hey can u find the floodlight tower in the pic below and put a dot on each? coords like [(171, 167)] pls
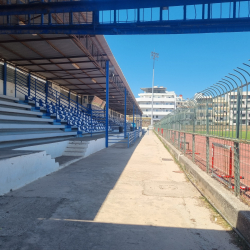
[(154, 56)]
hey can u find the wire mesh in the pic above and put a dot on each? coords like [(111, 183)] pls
[(200, 151), (244, 162)]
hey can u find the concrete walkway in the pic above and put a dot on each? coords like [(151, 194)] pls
[(116, 199)]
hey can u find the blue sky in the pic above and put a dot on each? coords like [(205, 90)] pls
[(187, 63)]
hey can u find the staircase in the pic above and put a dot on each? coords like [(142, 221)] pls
[(23, 124), (76, 148)]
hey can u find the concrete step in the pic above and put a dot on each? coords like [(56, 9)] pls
[(77, 150), (14, 104), (73, 154), (26, 119), (77, 145), (17, 137), (79, 142), (9, 98), (19, 111), (29, 126)]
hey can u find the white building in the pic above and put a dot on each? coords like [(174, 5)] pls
[(164, 102)]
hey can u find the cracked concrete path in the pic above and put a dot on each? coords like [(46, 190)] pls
[(115, 199)]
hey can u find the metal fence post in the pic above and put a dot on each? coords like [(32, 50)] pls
[(184, 142), (179, 134), (236, 147), (179, 139), (193, 148), (207, 154), (193, 137), (207, 138)]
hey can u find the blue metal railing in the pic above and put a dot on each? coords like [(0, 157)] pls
[(37, 90), (133, 136)]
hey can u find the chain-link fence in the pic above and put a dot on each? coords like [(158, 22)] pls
[(213, 130)]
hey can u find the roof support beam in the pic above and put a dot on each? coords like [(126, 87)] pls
[(75, 78), (61, 70), (46, 58), (36, 40), (51, 63)]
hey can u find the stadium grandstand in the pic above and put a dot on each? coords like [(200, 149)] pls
[(60, 94)]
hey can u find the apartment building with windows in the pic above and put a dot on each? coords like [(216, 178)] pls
[(164, 102)]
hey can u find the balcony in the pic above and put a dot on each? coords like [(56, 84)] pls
[(155, 100), (149, 106)]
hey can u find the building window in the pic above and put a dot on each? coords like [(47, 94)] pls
[(157, 116)]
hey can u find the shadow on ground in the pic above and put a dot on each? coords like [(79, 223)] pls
[(58, 212)]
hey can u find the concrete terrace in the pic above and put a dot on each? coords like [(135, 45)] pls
[(118, 198)]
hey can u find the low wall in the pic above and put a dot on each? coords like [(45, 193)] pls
[(15, 172), (236, 213), (54, 149), (99, 144)]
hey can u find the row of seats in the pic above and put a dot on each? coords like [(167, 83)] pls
[(75, 118)]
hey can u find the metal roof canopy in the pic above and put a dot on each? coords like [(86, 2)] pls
[(76, 63)]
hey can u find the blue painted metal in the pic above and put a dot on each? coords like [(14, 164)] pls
[(96, 5), (69, 99), (28, 84), (125, 112), (5, 78), (77, 102), (89, 106), (113, 25), (157, 27), (133, 117), (15, 82), (46, 91), (107, 105)]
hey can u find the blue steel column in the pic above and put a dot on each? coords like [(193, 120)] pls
[(133, 117), (46, 92), (69, 99), (15, 82), (77, 102), (91, 117), (125, 112), (107, 105), (29, 84), (5, 78)]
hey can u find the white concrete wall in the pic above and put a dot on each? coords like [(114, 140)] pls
[(55, 149), (18, 171), (10, 89), (99, 144)]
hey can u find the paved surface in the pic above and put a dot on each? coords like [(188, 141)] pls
[(115, 199)]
